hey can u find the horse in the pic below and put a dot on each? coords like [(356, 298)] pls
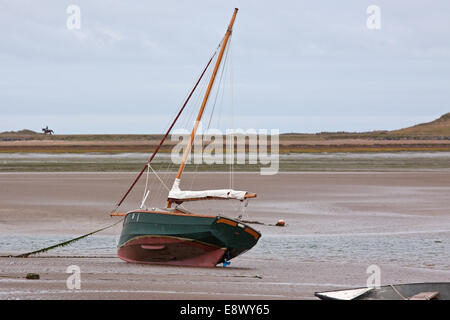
[(47, 130)]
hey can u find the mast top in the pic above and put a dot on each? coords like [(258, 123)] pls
[(187, 151)]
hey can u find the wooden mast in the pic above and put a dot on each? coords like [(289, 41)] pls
[(205, 98)]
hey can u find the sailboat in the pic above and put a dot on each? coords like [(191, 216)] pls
[(174, 236)]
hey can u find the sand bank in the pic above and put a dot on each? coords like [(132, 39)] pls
[(337, 225)]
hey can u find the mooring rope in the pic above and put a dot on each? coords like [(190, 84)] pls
[(397, 292), (65, 243)]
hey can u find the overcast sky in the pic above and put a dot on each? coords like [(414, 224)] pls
[(303, 66)]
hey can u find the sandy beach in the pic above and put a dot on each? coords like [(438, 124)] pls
[(338, 223)]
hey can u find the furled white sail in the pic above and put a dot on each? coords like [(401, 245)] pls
[(177, 194)]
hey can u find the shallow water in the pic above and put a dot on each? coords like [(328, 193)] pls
[(92, 162), (411, 250)]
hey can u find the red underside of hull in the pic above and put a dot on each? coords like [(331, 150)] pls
[(170, 251)]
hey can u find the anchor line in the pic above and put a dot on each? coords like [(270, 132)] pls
[(65, 243)]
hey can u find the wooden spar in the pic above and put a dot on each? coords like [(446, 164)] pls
[(165, 136), (205, 98), (118, 214)]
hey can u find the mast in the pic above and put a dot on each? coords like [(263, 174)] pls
[(205, 98)]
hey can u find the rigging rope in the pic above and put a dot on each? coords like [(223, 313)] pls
[(144, 196), (165, 136), (232, 119), (160, 180), (65, 243), (218, 87)]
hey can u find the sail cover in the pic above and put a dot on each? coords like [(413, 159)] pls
[(178, 195)]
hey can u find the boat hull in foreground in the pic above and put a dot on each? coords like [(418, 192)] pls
[(409, 291), (181, 239)]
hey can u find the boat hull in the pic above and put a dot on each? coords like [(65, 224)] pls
[(183, 239), (170, 251), (407, 291)]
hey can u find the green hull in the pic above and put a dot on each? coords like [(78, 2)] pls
[(168, 237)]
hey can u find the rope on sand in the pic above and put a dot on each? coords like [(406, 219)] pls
[(65, 243)]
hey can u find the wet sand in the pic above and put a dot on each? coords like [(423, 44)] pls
[(337, 225)]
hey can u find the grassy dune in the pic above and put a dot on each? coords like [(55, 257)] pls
[(431, 136), (439, 128)]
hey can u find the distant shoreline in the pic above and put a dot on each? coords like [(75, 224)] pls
[(431, 136), (299, 162), (287, 144)]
